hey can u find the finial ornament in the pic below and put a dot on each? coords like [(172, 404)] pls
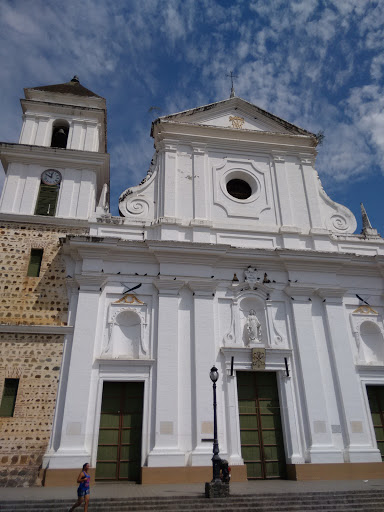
[(232, 76), (367, 230)]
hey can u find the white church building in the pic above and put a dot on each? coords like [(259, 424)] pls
[(228, 253)]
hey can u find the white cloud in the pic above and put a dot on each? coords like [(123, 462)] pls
[(310, 62)]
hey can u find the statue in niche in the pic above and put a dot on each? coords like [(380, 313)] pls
[(253, 327)]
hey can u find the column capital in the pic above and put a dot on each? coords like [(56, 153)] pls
[(199, 149), (333, 295), (203, 288), (306, 159), (169, 286), (301, 291), (90, 283), (278, 156), (168, 145)]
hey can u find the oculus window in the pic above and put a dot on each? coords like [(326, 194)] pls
[(239, 189)]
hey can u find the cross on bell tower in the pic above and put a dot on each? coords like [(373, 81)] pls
[(232, 76)]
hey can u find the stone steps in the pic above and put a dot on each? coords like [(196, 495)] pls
[(341, 501)]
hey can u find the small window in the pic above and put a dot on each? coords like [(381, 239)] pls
[(239, 189), (48, 193), (8, 401), (35, 262)]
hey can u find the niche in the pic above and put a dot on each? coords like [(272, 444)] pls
[(373, 342), (60, 130), (126, 335), (253, 322)]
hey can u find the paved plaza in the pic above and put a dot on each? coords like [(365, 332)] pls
[(128, 490)]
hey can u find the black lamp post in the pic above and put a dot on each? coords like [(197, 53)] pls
[(216, 461)]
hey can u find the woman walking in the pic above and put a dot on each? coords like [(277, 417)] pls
[(83, 489)]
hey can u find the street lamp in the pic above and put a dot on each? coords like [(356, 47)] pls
[(216, 461)]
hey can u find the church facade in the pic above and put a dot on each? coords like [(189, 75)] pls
[(228, 253)]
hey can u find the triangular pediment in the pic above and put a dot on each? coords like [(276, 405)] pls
[(235, 113)]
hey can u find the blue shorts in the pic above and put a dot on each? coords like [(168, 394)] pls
[(81, 493)]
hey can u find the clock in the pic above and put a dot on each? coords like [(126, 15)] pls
[(51, 177)]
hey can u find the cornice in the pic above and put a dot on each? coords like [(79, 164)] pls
[(247, 140), (67, 108), (36, 329), (223, 254), (26, 153), (42, 219)]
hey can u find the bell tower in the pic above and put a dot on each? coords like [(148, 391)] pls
[(60, 166)]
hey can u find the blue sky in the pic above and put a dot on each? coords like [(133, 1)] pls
[(318, 64)]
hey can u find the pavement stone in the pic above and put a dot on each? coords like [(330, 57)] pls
[(131, 490)]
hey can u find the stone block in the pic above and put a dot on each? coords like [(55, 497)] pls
[(216, 489)]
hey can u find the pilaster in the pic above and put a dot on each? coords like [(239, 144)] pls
[(42, 131), (204, 356), (200, 185), (286, 214), (76, 439), (352, 410), (166, 451), (169, 179), (320, 444)]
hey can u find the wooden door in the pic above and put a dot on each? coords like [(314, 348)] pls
[(262, 444), (376, 404), (119, 449)]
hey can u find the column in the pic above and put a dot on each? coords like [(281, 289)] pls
[(320, 445), (76, 435), (352, 407), (204, 356), (166, 451)]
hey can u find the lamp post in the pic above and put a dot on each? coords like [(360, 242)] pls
[(216, 461)]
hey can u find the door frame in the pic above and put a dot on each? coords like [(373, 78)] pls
[(370, 375), (132, 370), (289, 412)]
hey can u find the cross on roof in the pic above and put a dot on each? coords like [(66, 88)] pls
[(232, 76)]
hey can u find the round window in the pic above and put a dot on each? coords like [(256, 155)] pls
[(239, 189)]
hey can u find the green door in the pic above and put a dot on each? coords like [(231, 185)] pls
[(119, 450), (262, 445), (376, 404)]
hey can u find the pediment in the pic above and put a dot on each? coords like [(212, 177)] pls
[(235, 113)]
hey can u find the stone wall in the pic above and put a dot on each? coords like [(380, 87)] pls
[(35, 360), (32, 300)]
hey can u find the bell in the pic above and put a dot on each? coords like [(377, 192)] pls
[(59, 139)]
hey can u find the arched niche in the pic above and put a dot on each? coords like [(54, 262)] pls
[(126, 335), (373, 342), (252, 321)]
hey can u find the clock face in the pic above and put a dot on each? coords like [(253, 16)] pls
[(51, 177)]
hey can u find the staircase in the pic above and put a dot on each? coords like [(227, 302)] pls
[(362, 501)]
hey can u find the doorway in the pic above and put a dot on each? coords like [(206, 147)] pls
[(376, 405), (262, 444), (119, 448)]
